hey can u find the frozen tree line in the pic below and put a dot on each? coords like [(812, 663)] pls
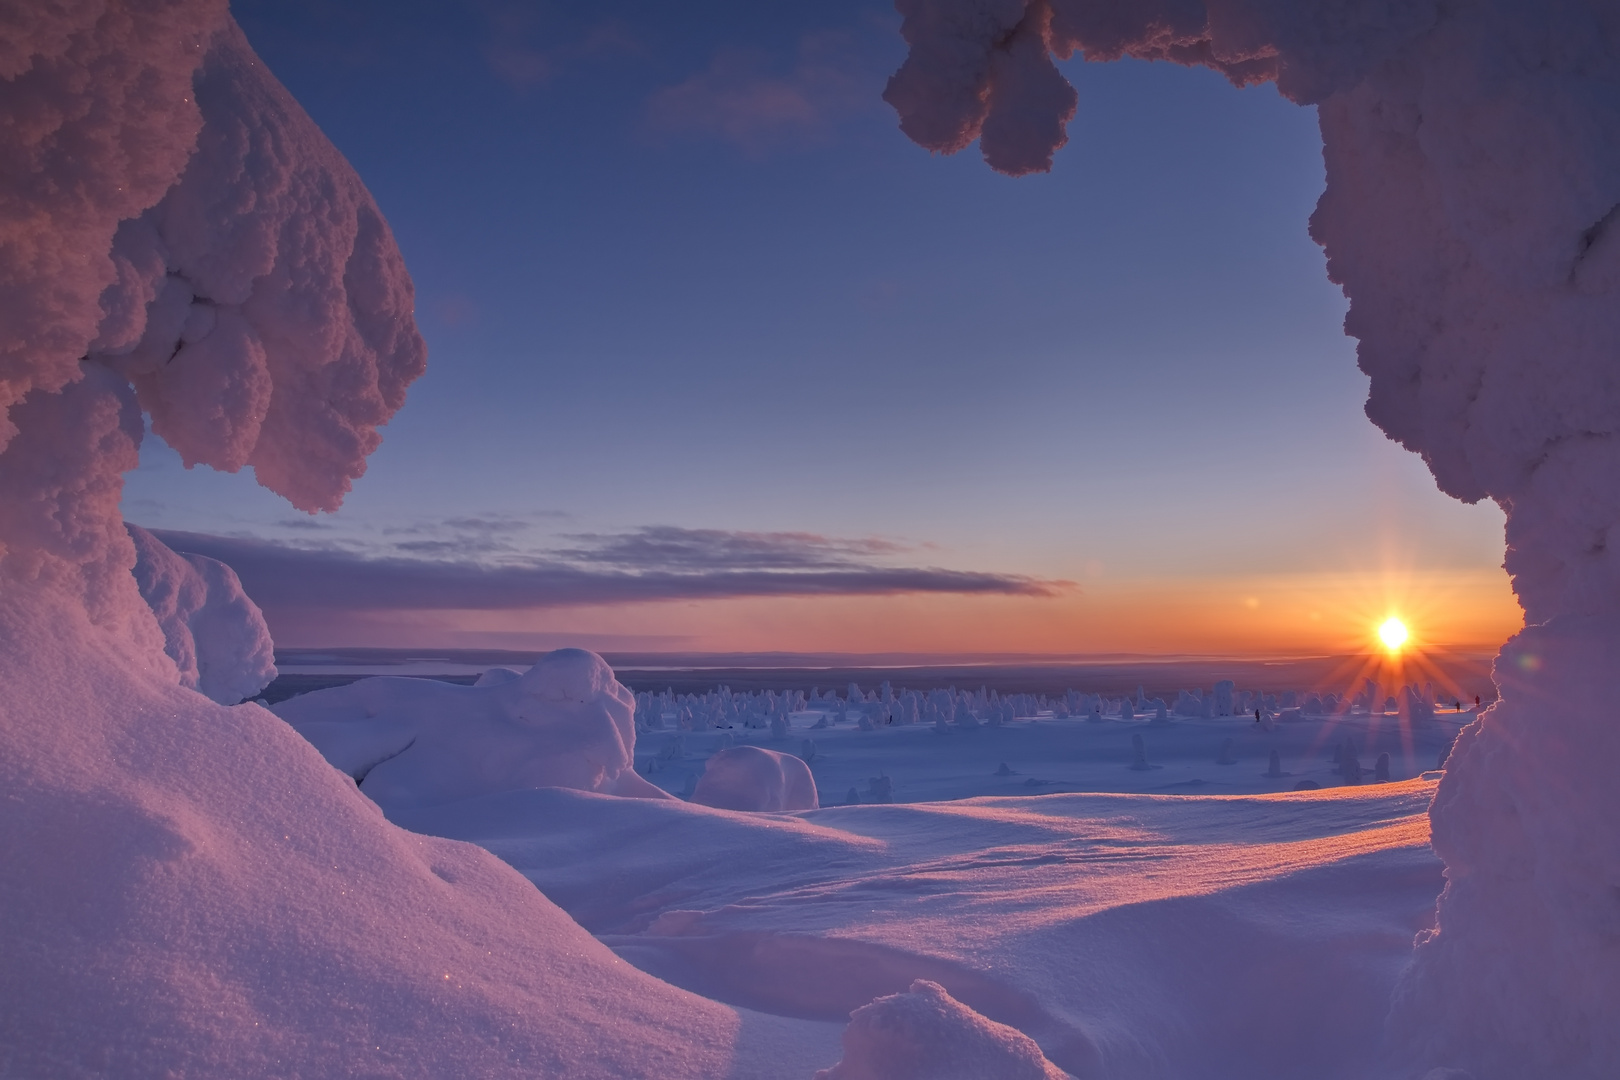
[(947, 708)]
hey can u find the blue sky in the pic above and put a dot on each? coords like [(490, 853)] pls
[(678, 269)]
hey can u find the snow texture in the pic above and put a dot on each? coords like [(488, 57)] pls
[(1472, 216), (754, 778), (925, 1034), (566, 722), (1198, 937), (213, 632), (188, 889)]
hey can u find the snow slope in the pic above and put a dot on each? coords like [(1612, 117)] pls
[(188, 889), (1130, 936)]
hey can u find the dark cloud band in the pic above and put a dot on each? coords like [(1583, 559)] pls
[(279, 576)]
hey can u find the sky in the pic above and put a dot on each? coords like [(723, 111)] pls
[(719, 361)]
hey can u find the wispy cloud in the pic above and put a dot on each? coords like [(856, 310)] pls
[(745, 98), (528, 46), (650, 564), (666, 547)]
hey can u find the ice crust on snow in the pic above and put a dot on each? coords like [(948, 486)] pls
[(1472, 216), (566, 722), (213, 632), (925, 1034)]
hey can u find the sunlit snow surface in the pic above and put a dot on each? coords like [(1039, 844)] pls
[(1131, 936), (1134, 933)]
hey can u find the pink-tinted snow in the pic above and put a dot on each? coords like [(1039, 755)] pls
[(212, 630), (1472, 215), (190, 889)]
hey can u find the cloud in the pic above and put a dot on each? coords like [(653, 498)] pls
[(656, 563), (665, 547), (740, 99), (516, 60)]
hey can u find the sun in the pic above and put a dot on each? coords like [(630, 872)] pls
[(1393, 634)]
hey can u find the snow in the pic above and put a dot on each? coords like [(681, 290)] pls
[(1195, 936), (754, 778), (279, 338), (1472, 216), (1125, 934), (925, 1034), (566, 722), (189, 888), (86, 156), (213, 632), (1044, 747)]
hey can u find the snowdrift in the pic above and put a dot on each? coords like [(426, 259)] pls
[(566, 722), (213, 632), (755, 778), (188, 889)]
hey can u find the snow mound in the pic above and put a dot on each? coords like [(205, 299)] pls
[(212, 631), (754, 778), (925, 1034), (566, 722), (187, 889), (497, 675)]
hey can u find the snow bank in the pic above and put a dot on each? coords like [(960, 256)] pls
[(1472, 215), (925, 1034), (212, 631), (754, 778), (187, 889), (566, 722)]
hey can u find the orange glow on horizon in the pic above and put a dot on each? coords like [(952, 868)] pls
[(1271, 615)]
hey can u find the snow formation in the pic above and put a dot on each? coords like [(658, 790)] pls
[(925, 1034), (186, 888), (754, 778), (1198, 937), (213, 632), (1472, 216), (566, 722)]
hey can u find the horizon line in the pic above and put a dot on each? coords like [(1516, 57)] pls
[(641, 659)]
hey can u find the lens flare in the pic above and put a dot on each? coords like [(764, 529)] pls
[(1392, 634)]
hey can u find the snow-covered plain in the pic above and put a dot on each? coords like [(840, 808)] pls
[(1191, 918), (1043, 754)]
